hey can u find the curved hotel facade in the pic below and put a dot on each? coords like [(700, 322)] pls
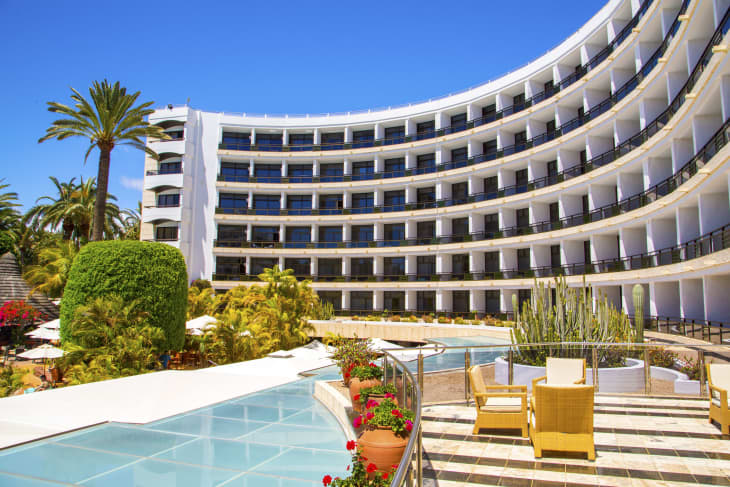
[(606, 159)]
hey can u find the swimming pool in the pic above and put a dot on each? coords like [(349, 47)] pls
[(279, 437), (452, 359)]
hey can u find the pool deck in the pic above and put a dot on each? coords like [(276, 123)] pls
[(144, 398)]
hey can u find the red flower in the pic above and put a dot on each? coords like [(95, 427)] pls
[(409, 425), (326, 480), (372, 364), (351, 445), (394, 466), (357, 397), (357, 422), (347, 375), (396, 413), (388, 395), (371, 468), (371, 404), (369, 416), (385, 475)]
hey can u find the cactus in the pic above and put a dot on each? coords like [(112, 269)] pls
[(515, 307), (638, 294)]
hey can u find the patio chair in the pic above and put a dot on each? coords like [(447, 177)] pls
[(718, 381), (563, 371), (500, 406), (561, 419)]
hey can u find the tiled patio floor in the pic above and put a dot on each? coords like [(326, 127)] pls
[(639, 441)]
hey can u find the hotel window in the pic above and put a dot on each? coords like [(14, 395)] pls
[(236, 141), (301, 140), (550, 127), (548, 88), (554, 212), (168, 200), (230, 266), (361, 266), (394, 232), (395, 135), (490, 147), (233, 201), (362, 138), (361, 300), (426, 229), (426, 301), (268, 141), (460, 154), (426, 195), (523, 217), (330, 172), (333, 141), (491, 184), (170, 167), (330, 202), (332, 297), (584, 204), (425, 130), (458, 122), (231, 233), (521, 179), (234, 171), (267, 171), (489, 112), (520, 139), (460, 264), (394, 200), (300, 266), (394, 300), (460, 191), (395, 168), (492, 302), (523, 259), (362, 233), (426, 266), (329, 267), (330, 234), (460, 227), (299, 171), (491, 222), (491, 261), (426, 161), (362, 200), (260, 264), (523, 296), (266, 201), (586, 252), (394, 266), (298, 234), (299, 201), (555, 256), (362, 170), (518, 102), (552, 169), (460, 301), (166, 233), (264, 234)]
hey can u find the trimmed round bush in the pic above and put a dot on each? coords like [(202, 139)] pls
[(152, 272)]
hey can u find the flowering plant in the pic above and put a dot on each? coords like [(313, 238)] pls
[(367, 372), (349, 353), (385, 414), (388, 390), (359, 472), (17, 313)]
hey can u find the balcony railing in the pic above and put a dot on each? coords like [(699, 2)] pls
[(497, 115), (159, 172)]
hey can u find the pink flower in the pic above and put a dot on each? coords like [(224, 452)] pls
[(25, 315), (357, 422), (388, 395), (371, 404), (369, 416), (396, 413), (409, 425)]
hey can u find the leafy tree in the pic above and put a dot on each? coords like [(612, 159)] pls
[(110, 119), (50, 275), (11, 379)]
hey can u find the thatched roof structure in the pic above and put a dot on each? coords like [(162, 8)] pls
[(13, 287)]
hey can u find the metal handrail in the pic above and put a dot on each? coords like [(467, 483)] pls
[(414, 447)]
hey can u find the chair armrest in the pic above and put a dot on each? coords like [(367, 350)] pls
[(723, 395), (501, 394), (580, 381), (515, 387), (538, 379)]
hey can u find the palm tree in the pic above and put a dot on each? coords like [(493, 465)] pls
[(130, 222), (9, 216), (56, 211), (109, 120), (49, 276)]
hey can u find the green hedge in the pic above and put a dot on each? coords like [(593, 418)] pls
[(153, 272)]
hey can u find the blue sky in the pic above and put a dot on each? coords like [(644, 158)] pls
[(234, 56)]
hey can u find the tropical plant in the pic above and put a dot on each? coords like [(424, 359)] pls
[(200, 301), (638, 296), (50, 275), (360, 472), (108, 338), (661, 357), (9, 216), (234, 339), (11, 379), (570, 319), (351, 352), (130, 223), (386, 414), (110, 119)]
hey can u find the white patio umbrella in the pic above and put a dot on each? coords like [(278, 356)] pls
[(200, 323), (45, 334), (43, 352), (52, 325)]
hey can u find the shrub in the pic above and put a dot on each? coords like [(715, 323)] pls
[(153, 273), (476, 322), (395, 318), (691, 368), (201, 284), (427, 318), (444, 320), (367, 372), (10, 380), (662, 357), (459, 321)]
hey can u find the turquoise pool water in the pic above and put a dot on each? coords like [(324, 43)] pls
[(279, 437), (452, 359)]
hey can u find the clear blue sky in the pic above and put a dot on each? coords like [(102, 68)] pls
[(234, 56)]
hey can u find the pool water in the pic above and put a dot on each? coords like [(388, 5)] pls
[(279, 437), (452, 359)]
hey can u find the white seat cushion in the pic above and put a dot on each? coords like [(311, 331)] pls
[(502, 405)]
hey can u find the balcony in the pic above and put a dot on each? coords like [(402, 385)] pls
[(151, 214), (156, 179), (173, 145)]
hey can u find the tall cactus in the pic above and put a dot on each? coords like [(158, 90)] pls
[(638, 293), (515, 308)]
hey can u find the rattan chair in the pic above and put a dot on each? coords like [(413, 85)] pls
[(561, 419), (718, 380), (563, 371), (498, 407)]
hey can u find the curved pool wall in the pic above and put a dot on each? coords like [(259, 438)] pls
[(281, 437)]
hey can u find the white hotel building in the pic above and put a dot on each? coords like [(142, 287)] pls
[(604, 159)]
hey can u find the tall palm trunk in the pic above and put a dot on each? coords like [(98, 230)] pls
[(102, 183)]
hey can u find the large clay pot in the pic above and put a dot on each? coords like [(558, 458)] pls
[(382, 447), (355, 386)]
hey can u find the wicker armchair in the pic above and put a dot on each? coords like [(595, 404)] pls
[(563, 371), (718, 381), (562, 419), (498, 407)]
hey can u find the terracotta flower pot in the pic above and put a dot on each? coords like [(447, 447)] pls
[(382, 447), (355, 386)]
